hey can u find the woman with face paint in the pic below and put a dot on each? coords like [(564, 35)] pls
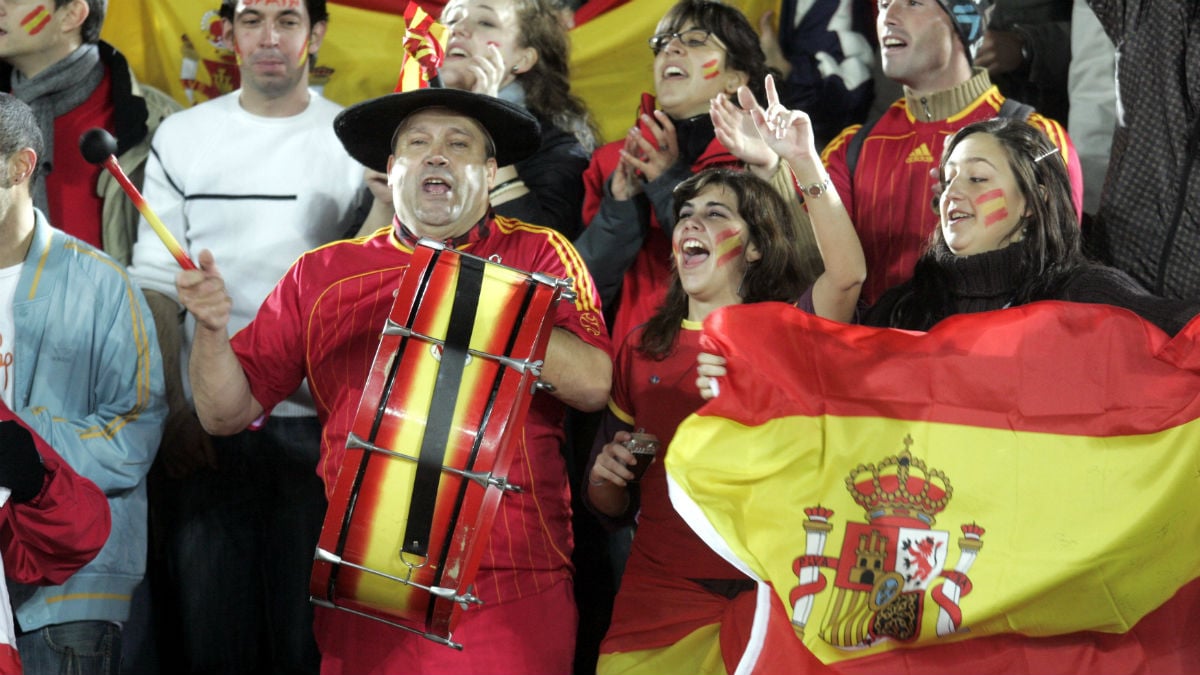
[(681, 608), (1008, 236), (517, 50), (704, 50)]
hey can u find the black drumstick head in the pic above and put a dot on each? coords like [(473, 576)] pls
[(97, 145)]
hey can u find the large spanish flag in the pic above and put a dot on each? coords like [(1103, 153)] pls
[(176, 46), (1013, 491)]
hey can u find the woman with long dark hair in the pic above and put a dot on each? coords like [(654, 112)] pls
[(681, 608), (1008, 236)]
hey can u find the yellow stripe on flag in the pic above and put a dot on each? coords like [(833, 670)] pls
[(698, 653), (1050, 507)]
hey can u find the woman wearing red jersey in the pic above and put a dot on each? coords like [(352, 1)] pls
[(680, 606)]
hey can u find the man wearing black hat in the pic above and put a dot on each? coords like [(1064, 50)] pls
[(882, 170), (323, 320)]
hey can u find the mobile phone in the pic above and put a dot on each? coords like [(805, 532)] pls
[(647, 107)]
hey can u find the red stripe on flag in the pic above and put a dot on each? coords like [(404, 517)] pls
[(434, 7), (10, 661), (1126, 411)]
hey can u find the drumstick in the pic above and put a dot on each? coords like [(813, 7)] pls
[(99, 147)]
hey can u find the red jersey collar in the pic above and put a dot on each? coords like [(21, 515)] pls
[(478, 232)]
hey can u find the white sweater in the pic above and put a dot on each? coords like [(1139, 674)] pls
[(256, 191)]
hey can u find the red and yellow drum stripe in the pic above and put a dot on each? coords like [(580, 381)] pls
[(507, 322)]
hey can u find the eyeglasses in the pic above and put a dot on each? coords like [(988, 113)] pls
[(693, 38)]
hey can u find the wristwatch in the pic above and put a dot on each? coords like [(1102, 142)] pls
[(814, 190)]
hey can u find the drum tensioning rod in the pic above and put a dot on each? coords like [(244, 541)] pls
[(428, 636), (533, 367), (565, 287), (483, 479), (324, 556)]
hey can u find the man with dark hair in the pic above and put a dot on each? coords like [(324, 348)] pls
[(52, 58), (258, 177), (84, 373), (323, 319), (882, 169)]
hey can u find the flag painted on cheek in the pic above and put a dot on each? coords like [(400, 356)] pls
[(1010, 488), (729, 246), (992, 206), (710, 69), (304, 53), (35, 21)]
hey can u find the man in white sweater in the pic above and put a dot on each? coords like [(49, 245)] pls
[(258, 177)]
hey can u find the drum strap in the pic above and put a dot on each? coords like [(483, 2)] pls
[(441, 409)]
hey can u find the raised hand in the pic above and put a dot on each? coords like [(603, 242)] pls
[(625, 180), (652, 159), (735, 129), (786, 132), (488, 70)]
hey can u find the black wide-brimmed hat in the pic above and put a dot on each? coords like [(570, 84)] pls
[(366, 128)]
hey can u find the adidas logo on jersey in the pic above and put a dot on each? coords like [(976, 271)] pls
[(920, 154)]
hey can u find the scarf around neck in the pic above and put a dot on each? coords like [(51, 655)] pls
[(55, 91)]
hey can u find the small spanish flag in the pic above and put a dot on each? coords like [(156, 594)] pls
[(35, 21), (423, 49)]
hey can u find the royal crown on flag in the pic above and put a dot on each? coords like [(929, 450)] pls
[(819, 513), (900, 486), (973, 531)]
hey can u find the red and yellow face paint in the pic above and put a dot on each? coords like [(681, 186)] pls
[(729, 246), (992, 207), (303, 58), (35, 21), (711, 68)]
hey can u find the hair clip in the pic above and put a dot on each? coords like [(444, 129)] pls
[(1049, 153)]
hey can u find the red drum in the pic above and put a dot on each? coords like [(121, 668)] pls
[(430, 446)]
